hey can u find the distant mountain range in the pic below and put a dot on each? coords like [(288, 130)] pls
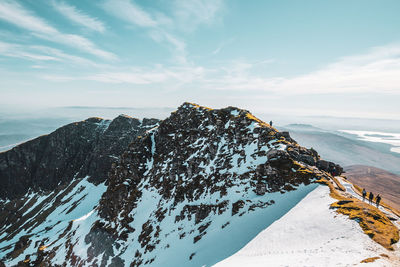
[(345, 149)]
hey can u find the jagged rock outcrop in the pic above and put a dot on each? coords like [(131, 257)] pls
[(195, 154), (76, 150), (41, 180), (330, 167), (186, 187)]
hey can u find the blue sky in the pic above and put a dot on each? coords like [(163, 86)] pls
[(335, 58)]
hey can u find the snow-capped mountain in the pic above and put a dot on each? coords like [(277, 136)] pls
[(190, 190), (49, 181)]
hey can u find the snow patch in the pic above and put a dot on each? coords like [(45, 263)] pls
[(310, 234)]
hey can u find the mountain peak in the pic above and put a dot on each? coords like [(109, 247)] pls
[(187, 104), (197, 163), (94, 119), (184, 187), (76, 150), (228, 113)]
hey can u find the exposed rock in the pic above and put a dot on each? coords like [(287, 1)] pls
[(72, 151), (191, 154), (177, 180), (330, 167)]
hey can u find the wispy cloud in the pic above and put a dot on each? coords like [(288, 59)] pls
[(78, 42), (62, 56), (130, 12), (58, 78), (179, 46), (18, 51), (168, 76), (192, 13), (43, 53), (154, 23), (222, 45), (134, 77), (37, 67), (16, 14), (79, 17), (185, 16), (376, 71)]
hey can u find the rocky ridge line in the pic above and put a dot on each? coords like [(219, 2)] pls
[(180, 187)]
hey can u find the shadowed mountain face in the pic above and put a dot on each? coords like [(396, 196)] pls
[(75, 150), (18, 126), (377, 181), (182, 186)]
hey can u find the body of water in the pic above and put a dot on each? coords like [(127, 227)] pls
[(392, 139)]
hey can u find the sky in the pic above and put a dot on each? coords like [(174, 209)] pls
[(324, 58)]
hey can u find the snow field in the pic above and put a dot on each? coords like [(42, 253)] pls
[(310, 234)]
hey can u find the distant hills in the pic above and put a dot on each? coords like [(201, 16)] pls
[(302, 127), (345, 150)]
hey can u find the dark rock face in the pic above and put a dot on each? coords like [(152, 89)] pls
[(184, 179), (75, 150), (330, 167), (170, 148), (198, 151), (51, 167)]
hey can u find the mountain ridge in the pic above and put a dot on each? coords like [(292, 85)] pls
[(63, 152), (184, 183)]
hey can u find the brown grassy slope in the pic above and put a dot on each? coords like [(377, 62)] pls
[(378, 181)]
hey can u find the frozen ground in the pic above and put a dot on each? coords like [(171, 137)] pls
[(310, 234)]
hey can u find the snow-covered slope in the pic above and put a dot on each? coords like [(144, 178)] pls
[(310, 234), (48, 183), (187, 188), (47, 220), (182, 194)]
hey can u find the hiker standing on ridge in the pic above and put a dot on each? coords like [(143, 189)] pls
[(333, 172), (378, 200), (371, 197), (364, 194), (270, 123)]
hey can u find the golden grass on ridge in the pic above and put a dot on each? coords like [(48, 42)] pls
[(372, 221)]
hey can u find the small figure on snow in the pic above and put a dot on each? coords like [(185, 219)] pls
[(371, 198), (364, 194), (378, 200), (270, 123)]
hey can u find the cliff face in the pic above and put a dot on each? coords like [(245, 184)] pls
[(193, 180), (41, 184), (75, 150), (199, 185), (197, 150)]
